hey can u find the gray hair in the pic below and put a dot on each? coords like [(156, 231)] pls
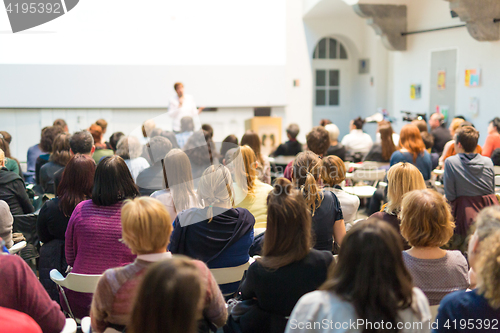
[(293, 130), (129, 148)]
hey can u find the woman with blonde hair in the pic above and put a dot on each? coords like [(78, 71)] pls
[(412, 150), (401, 179), (217, 234), (327, 219), (178, 194), (427, 225), (249, 193), (146, 229), (252, 140)]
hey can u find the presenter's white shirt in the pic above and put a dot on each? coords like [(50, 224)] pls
[(188, 109)]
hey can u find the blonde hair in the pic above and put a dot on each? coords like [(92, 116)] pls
[(2, 156), (487, 222), (146, 225), (333, 171), (245, 173), (306, 173), (455, 124), (426, 219), (216, 185), (489, 270), (402, 178), (179, 178)]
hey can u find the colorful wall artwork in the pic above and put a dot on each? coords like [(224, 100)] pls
[(472, 77), (441, 82), (415, 91)]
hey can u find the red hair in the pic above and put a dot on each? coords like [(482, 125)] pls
[(411, 139)]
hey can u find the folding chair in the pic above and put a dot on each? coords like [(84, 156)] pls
[(229, 274)]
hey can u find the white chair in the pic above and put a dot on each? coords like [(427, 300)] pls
[(229, 274), (70, 326), (366, 191), (258, 231), (85, 324), (82, 283), (17, 247), (497, 170)]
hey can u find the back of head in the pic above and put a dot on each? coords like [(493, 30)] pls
[(4, 145), (146, 225), (171, 137), (324, 122), (148, 127), (129, 148), (187, 124), (487, 222), (7, 137), (207, 128), (370, 272), (245, 169), (388, 146), (428, 140), (76, 183), (288, 232), (489, 270), (113, 182), (333, 132), (48, 136), (437, 117), (96, 132), (103, 123), (306, 173), (467, 137), (61, 123), (293, 130), (81, 142), (426, 219), (230, 142), (318, 140), (215, 188), (455, 124), (402, 178), (178, 178), (333, 171), (60, 149), (114, 139), (411, 139), (198, 149), (251, 139), (169, 299), (358, 123), (421, 124), (157, 148), (2, 157), (496, 123)]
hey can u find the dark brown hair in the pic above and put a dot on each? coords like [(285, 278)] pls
[(60, 149), (358, 123), (103, 123), (169, 298), (61, 123), (288, 233), (6, 136), (388, 146), (113, 182), (231, 141), (421, 124), (428, 139), (48, 136), (467, 136), (318, 140), (76, 183), (370, 273), (209, 129), (252, 140)]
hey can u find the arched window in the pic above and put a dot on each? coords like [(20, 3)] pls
[(329, 48)]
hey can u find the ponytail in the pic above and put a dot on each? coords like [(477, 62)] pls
[(215, 186), (306, 174)]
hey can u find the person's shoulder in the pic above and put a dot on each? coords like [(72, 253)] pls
[(457, 257), (320, 256), (263, 186), (460, 299), (12, 263), (245, 214)]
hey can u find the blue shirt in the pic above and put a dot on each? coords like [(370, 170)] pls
[(460, 309), (423, 162)]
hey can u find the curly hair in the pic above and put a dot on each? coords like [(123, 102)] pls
[(489, 263)]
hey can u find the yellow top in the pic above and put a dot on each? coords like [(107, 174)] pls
[(257, 204)]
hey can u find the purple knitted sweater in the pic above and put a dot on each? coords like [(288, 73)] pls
[(93, 246)]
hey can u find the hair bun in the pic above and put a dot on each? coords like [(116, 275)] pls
[(282, 186)]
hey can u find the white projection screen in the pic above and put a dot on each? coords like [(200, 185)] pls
[(124, 53)]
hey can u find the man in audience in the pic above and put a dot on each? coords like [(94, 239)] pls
[(151, 179), (467, 173), (292, 147), (318, 141), (187, 129), (61, 123), (181, 106), (440, 133)]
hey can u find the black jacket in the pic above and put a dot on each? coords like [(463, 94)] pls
[(13, 192), (441, 137), (289, 148)]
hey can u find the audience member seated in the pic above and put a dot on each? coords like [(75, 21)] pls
[(317, 141), (429, 143), (217, 234), (15, 321), (333, 173), (151, 179), (439, 132), (454, 126), (357, 141), (401, 179), (11, 163), (487, 223), (114, 139), (451, 151), (187, 129), (171, 137), (382, 151), (13, 191), (495, 157), (230, 142), (292, 147), (412, 150), (130, 150), (209, 129), (426, 223), (493, 138), (176, 306), (75, 186), (200, 155), (21, 291), (289, 267), (422, 125), (32, 155), (249, 192), (101, 149), (104, 126), (59, 157), (179, 193), (395, 136), (480, 306), (147, 128), (94, 232), (336, 148), (146, 230), (6, 222), (251, 139), (61, 123), (48, 137), (369, 282), (327, 219)]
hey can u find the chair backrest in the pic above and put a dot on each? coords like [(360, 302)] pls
[(497, 180), (83, 283), (229, 274), (497, 169), (368, 175), (17, 247), (70, 326)]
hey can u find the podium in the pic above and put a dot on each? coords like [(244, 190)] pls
[(269, 131)]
